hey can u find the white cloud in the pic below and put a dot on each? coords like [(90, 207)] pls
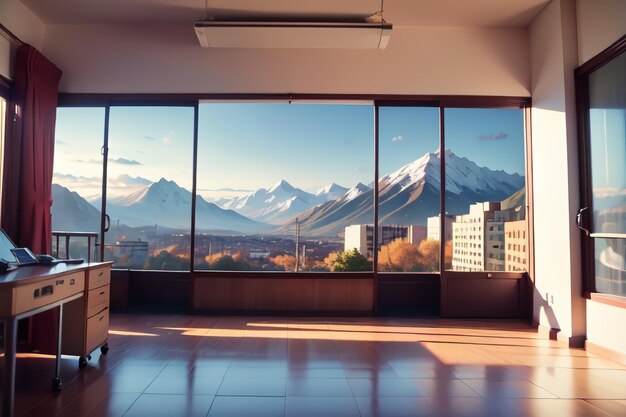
[(398, 138)]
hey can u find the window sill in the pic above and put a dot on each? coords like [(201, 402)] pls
[(608, 299)]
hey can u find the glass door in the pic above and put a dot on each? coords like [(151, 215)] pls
[(485, 222), (149, 187), (77, 182), (603, 216)]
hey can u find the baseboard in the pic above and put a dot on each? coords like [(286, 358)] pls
[(605, 352), (562, 339)]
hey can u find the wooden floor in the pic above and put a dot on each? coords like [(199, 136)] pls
[(174, 366)]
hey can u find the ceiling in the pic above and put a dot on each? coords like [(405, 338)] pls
[(512, 13)]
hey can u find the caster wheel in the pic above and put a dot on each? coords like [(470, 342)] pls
[(82, 362), (104, 349), (57, 385)]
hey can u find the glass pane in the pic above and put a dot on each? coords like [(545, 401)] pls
[(149, 181), (610, 266), (409, 189), (607, 117), (283, 186), (485, 190), (77, 178), (3, 117)]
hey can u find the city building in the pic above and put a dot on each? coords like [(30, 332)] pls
[(433, 227), (361, 236), (516, 246)]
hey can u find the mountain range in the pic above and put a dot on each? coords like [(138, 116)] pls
[(407, 196), (280, 202), (411, 194)]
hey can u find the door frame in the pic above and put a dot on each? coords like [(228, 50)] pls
[(582, 74)]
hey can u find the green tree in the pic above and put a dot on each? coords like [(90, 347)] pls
[(351, 260)]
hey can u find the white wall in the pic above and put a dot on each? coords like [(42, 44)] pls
[(25, 25), (553, 46), (600, 23), (603, 324), (168, 59)]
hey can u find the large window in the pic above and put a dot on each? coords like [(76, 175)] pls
[(285, 187), (77, 176), (408, 189), (602, 90), (290, 187), (485, 193), (149, 184)]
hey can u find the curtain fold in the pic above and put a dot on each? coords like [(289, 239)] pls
[(29, 151)]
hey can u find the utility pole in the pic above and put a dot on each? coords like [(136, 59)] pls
[(297, 245)]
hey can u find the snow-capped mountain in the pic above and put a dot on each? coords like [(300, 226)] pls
[(411, 194), (355, 191), (278, 203), (71, 212), (167, 204), (331, 192)]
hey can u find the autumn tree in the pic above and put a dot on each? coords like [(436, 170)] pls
[(399, 255), (165, 260), (288, 262), (222, 262), (429, 254), (329, 261)]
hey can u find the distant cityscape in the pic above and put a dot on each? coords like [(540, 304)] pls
[(285, 228)]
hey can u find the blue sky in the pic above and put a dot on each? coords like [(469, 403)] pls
[(245, 146)]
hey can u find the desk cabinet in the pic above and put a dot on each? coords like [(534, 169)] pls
[(86, 320)]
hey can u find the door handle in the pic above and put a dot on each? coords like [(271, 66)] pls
[(581, 220), (107, 222)]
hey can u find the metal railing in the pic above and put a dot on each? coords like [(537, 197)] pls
[(62, 236)]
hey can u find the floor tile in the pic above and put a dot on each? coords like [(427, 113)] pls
[(318, 387), (582, 383), (257, 387), (317, 373), (371, 373), (394, 407), (113, 405), (385, 388), (191, 384), (248, 407), (167, 405), (257, 372), (507, 389), (612, 407), (124, 383), (538, 407), (321, 406)]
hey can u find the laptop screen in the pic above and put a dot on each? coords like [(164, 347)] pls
[(5, 247)]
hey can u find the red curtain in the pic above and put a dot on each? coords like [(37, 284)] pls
[(29, 151)]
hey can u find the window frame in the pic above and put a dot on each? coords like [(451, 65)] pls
[(378, 100), (581, 75)]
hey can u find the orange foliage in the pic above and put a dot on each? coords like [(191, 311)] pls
[(286, 261)]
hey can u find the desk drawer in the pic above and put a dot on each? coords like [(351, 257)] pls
[(97, 300), (29, 297), (99, 277), (97, 330)]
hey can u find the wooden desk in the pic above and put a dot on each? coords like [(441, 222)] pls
[(28, 291)]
